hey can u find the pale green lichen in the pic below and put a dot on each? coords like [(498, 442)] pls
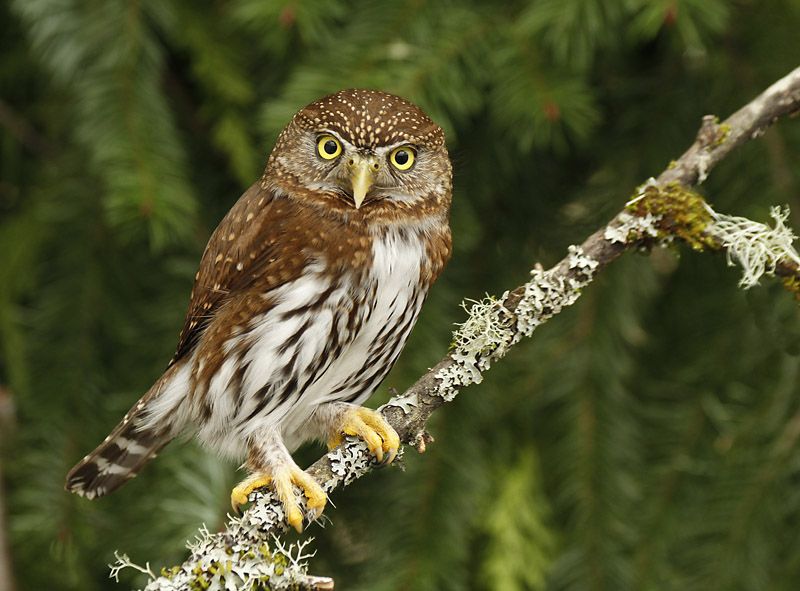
[(123, 562), (491, 329), (242, 566), (348, 463), (405, 403), (487, 329), (755, 247), (483, 337), (628, 228)]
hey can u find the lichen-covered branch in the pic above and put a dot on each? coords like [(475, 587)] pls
[(662, 211), (715, 140)]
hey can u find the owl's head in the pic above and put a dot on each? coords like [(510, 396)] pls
[(367, 151)]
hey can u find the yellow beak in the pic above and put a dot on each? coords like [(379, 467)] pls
[(361, 176)]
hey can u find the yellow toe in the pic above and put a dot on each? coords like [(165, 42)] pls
[(241, 492), (283, 481), (315, 495), (369, 425)]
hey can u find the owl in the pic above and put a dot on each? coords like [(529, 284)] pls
[(306, 294)]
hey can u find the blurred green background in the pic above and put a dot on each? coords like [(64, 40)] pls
[(647, 438)]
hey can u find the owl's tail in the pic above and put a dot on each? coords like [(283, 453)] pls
[(136, 440)]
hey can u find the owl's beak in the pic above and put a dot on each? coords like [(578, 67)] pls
[(362, 177)]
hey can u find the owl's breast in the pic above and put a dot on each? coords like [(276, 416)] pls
[(387, 299), (328, 337), (394, 298)]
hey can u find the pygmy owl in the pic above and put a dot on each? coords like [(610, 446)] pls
[(305, 296)]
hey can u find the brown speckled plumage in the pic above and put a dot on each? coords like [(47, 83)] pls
[(305, 295)]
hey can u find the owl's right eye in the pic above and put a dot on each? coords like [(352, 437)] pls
[(328, 147)]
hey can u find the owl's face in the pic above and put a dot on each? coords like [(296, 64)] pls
[(365, 151)]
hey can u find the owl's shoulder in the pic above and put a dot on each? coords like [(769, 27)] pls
[(258, 246)]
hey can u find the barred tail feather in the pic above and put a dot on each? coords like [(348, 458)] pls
[(134, 441), (115, 461)]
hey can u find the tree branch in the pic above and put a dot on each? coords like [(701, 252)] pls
[(662, 210)]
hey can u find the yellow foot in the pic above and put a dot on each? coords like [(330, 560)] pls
[(283, 481), (370, 426)]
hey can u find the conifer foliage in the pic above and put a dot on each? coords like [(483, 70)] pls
[(647, 438)]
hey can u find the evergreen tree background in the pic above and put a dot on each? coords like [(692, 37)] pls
[(647, 438)]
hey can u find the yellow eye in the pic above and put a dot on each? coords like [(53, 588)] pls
[(328, 147), (402, 158)]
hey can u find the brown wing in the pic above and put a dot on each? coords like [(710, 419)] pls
[(250, 249)]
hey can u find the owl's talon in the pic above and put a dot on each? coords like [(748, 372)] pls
[(241, 492), (370, 426), (283, 481)]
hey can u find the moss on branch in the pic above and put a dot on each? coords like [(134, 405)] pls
[(679, 212)]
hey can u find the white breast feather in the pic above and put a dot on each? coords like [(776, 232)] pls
[(395, 272)]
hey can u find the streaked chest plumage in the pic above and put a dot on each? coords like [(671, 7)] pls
[(327, 337)]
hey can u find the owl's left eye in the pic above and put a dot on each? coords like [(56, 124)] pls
[(402, 158), (328, 147)]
